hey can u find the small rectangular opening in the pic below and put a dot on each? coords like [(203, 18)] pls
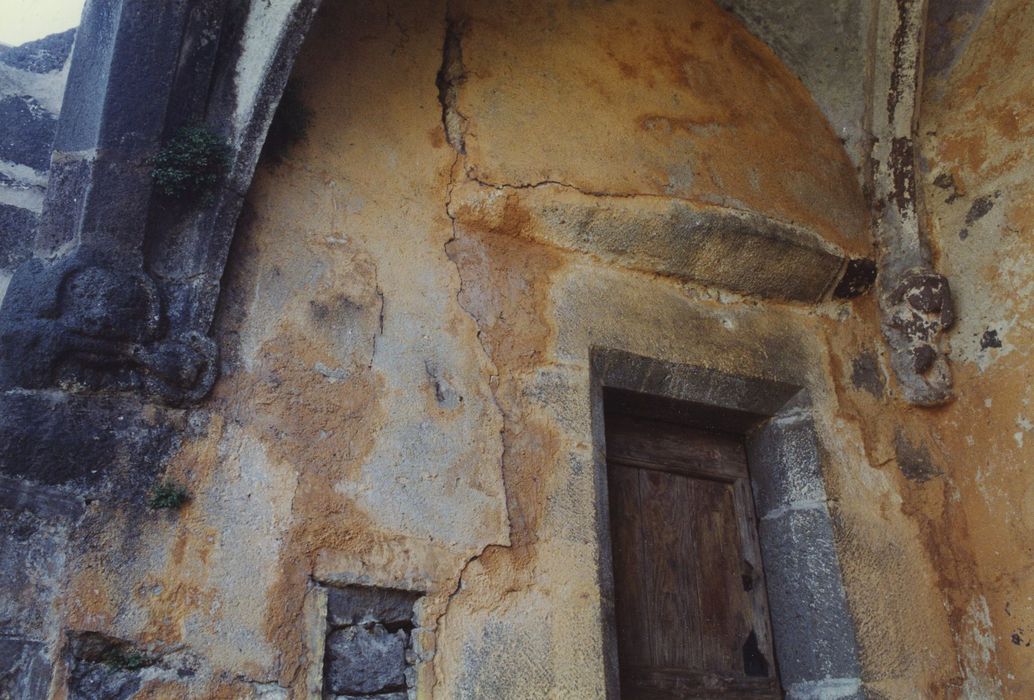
[(691, 611)]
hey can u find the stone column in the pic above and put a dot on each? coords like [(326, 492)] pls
[(104, 332)]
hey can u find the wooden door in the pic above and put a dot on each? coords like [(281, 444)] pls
[(691, 611)]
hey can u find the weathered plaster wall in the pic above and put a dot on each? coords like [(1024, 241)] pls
[(682, 103), (976, 118), (406, 331), (827, 44)]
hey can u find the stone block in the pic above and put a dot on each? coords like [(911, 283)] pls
[(100, 666), (363, 660), (745, 252), (31, 557), (786, 465), (47, 503), (44, 55), (91, 681), (717, 390), (17, 231), (829, 689), (355, 605), (53, 438), (813, 630), (67, 183), (26, 132), (24, 669)]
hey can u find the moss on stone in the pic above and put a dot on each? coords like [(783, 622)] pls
[(168, 495), (190, 163)]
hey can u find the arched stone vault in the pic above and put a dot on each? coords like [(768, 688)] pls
[(745, 216)]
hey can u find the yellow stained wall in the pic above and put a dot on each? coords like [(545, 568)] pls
[(405, 393), (977, 129)]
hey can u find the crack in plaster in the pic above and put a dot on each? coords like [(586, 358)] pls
[(449, 77), (380, 318)]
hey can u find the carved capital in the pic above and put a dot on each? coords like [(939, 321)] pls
[(917, 313), (86, 324), (121, 294)]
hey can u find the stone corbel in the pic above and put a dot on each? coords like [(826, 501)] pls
[(121, 291), (915, 301)]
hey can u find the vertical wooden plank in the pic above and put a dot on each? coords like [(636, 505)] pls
[(672, 580), (626, 542), (751, 548), (725, 603)]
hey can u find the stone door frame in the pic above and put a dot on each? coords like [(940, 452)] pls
[(815, 642)]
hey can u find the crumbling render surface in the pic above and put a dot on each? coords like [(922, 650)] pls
[(407, 322)]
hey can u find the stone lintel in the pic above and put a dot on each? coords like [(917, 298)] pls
[(717, 246)]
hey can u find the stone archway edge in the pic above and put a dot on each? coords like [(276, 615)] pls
[(123, 286)]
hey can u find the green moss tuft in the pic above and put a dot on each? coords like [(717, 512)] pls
[(127, 660), (168, 495), (190, 163)]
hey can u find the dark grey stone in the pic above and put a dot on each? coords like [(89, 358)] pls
[(623, 370), (100, 666), (354, 605), (811, 623), (42, 55), (26, 131), (114, 98), (63, 206), (159, 263), (914, 459), (785, 464), (364, 660), (866, 374), (54, 438), (401, 695), (31, 558), (829, 689), (42, 501), (24, 669), (94, 681), (17, 230), (858, 278), (90, 325)]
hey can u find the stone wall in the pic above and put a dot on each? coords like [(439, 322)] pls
[(32, 80), (487, 197), (828, 44), (406, 328), (976, 128)]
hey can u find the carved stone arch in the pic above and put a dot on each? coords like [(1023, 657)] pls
[(124, 281)]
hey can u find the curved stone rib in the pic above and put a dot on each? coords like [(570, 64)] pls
[(122, 289)]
